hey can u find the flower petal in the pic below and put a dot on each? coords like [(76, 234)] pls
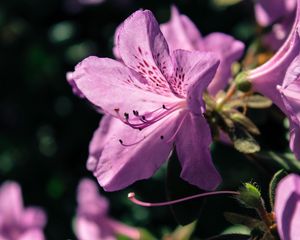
[(33, 217), (116, 89), (181, 33), (143, 48), (86, 229), (131, 155), (193, 71), (287, 207), (11, 203), (295, 139), (100, 137), (192, 146), (228, 50), (90, 203), (35, 234)]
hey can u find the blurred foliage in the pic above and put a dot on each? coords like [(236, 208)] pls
[(45, 130)]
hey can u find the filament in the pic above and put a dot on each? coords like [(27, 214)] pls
[(132, 198)]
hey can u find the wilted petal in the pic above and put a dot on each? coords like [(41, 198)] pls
[(181, 33), (228, 50), (287, 207), (192, 146), (137, 156)]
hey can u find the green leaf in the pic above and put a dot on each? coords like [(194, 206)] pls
[(145, 235), (182, 232), (231, 237), (258, 101), (240, 118), (237, 229), (273, 184), (243, 141), (285, 161), (235, 218), (186, 212), (225, 3)]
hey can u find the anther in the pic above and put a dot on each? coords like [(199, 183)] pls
[(117, 110), (126, 115), (161, 137), (120, 140)]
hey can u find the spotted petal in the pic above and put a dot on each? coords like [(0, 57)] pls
[(143, 48), (193, 71), (106, 82)]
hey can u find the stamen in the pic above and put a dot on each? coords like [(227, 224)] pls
[(132, 198), (131, 144)]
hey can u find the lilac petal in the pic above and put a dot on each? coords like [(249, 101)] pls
[(228, 50), (295, 139), (287, 207), (268, 13), (116, 40), (90, 203), (11, 203), (35, 234), (192, 146), (72, 83), (120, 163), (193, 71), (100, 137), (33, 217), (181, 33), (143, 48), (267, 77), (86, 229), (105, 82)]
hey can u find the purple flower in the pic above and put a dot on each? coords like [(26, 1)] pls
[(280, 14), (92, 221), (17, 222), (153, 101), (279, 79), (181, 33), (287, 207)]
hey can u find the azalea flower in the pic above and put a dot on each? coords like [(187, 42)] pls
[(153, 101), (287, 207), (279, 80), (181, 33), (17, 222), (279, 14), (92, 221)]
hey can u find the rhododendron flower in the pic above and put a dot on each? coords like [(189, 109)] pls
[(92, 221), (17, 222), (153, 101), (287, 207), (181, 33), (279, 79), (280, 14)]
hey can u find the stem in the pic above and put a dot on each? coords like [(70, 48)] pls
[(231, 91), (132, 198)]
